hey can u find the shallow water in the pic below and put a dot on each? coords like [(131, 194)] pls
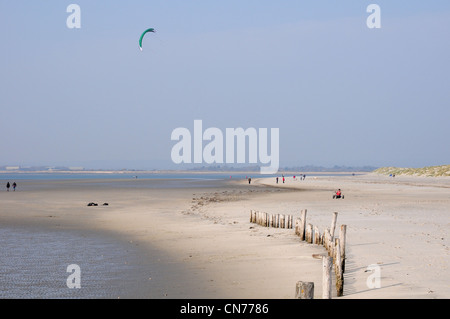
[(33, 265)]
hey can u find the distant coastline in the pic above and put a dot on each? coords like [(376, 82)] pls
[(253, 170), (428, 171), (182, 172)]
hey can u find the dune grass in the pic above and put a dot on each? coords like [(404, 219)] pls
[(431, 171)]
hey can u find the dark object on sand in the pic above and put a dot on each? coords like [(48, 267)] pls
[(92, 204), (105, 204)]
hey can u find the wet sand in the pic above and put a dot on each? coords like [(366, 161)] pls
[(198, 242)]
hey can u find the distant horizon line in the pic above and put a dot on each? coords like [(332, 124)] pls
[(212, 168)]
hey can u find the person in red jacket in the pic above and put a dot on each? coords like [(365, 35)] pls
[(338, 194)]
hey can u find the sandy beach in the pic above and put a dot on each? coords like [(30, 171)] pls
[(198, 242)]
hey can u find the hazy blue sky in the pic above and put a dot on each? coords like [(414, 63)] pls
[(340, 93)]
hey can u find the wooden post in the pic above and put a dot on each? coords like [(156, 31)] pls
[(333, 248), (326, 239), (329, 243), (327, 263), (342, 236), (292, 221), (338, 271), (304, 290), (333, 225), (303, 225), (309, 235), (316, 235), (297, 224)]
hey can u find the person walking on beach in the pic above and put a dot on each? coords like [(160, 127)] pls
[(14, 186), (7, 186), (283, 179), (249, 180), (277, 179)]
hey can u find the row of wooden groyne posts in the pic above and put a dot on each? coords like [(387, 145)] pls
[(334, 245)]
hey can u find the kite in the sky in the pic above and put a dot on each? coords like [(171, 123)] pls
[(142, 36)]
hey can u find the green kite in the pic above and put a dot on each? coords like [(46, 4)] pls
[(142, 36)]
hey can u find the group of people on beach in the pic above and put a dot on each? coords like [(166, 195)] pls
[(8, 185), (302, 177)]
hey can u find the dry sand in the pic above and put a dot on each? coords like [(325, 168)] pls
[(206, 247)]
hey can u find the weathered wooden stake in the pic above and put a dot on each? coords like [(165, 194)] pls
[(327, 263), (332, 249), (333, 225), (303, 225), (316, 235), (326, 240), (338, 271), (309, 235), (304, 290), (342, 236)]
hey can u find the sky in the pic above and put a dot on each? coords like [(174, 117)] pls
[(339, 92)]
